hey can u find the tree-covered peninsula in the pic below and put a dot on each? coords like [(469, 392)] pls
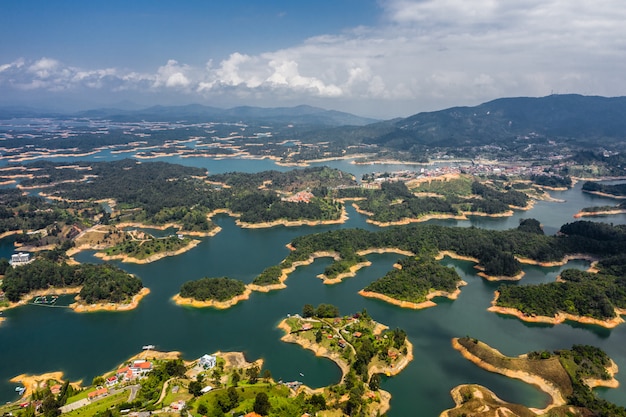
[(363, 350), (566, 375), (610, 190), (577, 294), (102, 283)]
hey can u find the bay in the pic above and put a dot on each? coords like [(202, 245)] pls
[(35, 339)]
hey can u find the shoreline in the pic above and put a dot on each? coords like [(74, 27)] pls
[(413, 305), (555, 394), (152, 258), (165, 226), (491, 278), (599, 213), (33, 383), (565, 260), (24, 299), (338, 359), (78, 307), (220, 305), (607, 195), (559, 318)]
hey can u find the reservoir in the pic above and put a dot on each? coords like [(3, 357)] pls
[(36, 339)]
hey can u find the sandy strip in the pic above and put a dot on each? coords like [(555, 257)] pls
[(33, 383), (79, 307), (598, 213), (210, 233), (340, 277), (495, 278), (221, 305), (542, 384), (9, 233), (601, 194), (565, 260), (558, 318), (293, 223)]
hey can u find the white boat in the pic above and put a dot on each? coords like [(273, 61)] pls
[(148, 347), (301, 374)]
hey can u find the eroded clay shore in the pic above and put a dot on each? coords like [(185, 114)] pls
[(559, 318), (79, 306), (557, 398), (412, 305), (212, 303)]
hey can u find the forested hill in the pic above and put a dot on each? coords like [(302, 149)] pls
[(582, 120)]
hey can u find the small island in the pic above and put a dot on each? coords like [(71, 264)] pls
[(362, 348), (567, 376), (218, 293)]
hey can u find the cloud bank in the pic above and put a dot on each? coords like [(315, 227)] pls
[(422, 55)]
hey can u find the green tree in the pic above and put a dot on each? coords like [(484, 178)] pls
[(308, 310), (253, 374), (261, 404), (195, 388)]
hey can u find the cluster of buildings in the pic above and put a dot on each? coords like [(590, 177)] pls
[(136, 369), (300, 197)]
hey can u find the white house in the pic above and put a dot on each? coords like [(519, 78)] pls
[(207, 361), (20, 258)]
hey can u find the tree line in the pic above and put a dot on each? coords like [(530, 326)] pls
[(100, 283)]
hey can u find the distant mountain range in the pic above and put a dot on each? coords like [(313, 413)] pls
[(300, 115), (581, 120)]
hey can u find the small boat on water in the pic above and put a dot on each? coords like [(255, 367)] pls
[(301, 374), (20, 390), (147, 347)]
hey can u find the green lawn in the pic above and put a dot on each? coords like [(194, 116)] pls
[(100, 405)]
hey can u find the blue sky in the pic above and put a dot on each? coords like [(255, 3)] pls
[(382, 58)]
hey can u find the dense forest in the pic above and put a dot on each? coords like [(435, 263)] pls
[(100, 283), (416, 277), (580, 293), (218, 289), (495, 250), (160, 193), (22, 212)]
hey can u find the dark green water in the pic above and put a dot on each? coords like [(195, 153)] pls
[(38, 339)]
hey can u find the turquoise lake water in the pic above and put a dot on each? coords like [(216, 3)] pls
[(37, 339)]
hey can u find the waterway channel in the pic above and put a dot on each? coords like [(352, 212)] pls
[(35, 340)]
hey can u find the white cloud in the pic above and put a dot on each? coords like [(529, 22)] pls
[(424, 54), (172, 75)]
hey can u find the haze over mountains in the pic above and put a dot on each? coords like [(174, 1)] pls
[(581, 120)]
